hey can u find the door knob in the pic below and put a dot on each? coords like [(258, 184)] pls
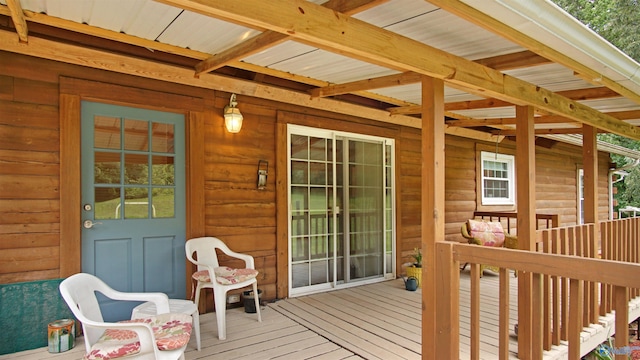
[(88, 224)]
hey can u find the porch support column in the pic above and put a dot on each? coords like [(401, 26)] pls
[(526, 204), (439, 320), (590, 173), (590, 170)]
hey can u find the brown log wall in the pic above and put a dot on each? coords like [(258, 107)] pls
[(234, 210)]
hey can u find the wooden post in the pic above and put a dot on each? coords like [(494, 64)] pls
[(575, 314), (447, 336), (621, 299), (590, 173), (432, 215), (526, 202)]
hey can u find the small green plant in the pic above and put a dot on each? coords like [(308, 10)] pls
[(417, 257)]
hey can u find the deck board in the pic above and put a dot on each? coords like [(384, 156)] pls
[(374, 321)]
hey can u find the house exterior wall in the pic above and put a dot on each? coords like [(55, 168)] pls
[(234, 210)]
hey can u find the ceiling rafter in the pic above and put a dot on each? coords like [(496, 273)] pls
[(271, 38), (501, 62), (481, 19), (17, 15), (349, 36), (463, 121)]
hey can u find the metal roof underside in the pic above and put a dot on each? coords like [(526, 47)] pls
[(416, 19)]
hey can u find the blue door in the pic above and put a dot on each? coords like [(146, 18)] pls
[(133, 196)]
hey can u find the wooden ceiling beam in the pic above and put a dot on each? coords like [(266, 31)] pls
[(501, 62), (367, 84), (509, 132), (512, 61), (269, 38), (348, 36), (551, 119), (17, 15), (485, 21), (578, 94)]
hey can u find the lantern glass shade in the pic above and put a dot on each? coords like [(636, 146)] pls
[(232, 119)]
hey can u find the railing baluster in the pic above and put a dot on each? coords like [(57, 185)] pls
[(546, 283), (475, 312), (503, 316), (556, 283)]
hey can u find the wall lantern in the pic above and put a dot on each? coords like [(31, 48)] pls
[(232, 116), (263, 166)]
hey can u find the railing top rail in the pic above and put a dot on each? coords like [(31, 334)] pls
[(508, 214), (616, 273)]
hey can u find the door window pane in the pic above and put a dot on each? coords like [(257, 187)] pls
[(162, 200), (107, 201), (162, 138), (106, 133), (106, 168), (136, 169), (136, 135), (136, 203), (163, 171)]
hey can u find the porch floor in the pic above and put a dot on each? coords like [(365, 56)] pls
[(377, 321)]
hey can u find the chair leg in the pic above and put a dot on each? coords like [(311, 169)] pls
[(197, 295), (221, 310), (256, 298), (196, 326)]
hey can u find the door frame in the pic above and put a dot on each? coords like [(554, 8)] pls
[(72, 92), (339, 123)]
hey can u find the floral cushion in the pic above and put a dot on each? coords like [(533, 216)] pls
[(172, 331), (226, 275), (486, 233)]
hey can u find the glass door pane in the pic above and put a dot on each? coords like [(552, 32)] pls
[(365, 209), (311, 169)]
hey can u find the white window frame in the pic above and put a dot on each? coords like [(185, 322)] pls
[(510, 161)]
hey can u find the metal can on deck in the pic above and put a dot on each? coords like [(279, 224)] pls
[(61, 335)]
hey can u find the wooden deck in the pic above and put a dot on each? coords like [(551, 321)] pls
[(378, 321)]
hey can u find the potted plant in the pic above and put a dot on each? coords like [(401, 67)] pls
[(415, 270), (417, 257)]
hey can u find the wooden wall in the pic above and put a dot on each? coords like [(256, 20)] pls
[(234, 209)]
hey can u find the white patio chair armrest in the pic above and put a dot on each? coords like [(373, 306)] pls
[(248, 259), (161, 300), (144, 332)]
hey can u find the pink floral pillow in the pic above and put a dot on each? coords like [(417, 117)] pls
[(172, 331), (226, 275), (486, 233)]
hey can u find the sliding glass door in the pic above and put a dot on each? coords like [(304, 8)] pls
[(341, 209)]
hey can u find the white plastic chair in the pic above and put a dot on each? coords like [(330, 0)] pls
[(206, 258), (79, 292)]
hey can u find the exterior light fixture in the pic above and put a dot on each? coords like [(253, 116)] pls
[(232, 116)]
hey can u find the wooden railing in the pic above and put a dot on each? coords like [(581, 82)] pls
[(574, 282), (509, 219)]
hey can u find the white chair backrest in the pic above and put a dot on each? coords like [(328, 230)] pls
[(204, 249), (79, 292)]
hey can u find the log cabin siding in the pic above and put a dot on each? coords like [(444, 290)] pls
[(234, 209)]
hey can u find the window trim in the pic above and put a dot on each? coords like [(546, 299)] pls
[(510, 161)]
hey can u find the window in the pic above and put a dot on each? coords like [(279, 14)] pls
[(497, 179)]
